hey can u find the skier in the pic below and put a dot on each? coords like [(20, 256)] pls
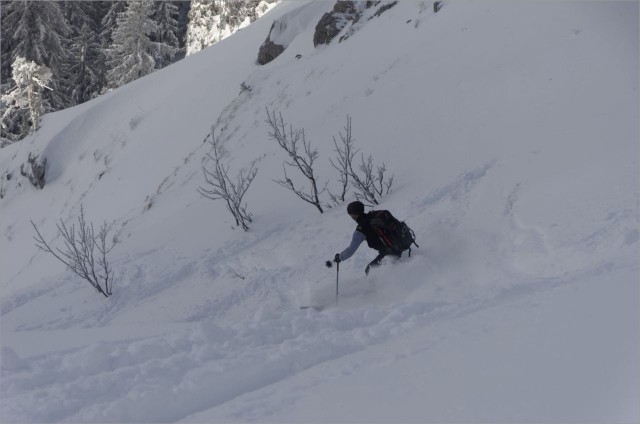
[(365, 231)]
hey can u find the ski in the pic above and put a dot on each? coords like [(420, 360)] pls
[(317, 308)]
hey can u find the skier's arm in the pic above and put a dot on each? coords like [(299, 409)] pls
[(356, 241)]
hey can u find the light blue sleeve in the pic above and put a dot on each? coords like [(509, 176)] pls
[(356, 241)]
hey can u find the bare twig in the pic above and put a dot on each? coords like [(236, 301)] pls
[(369, 185), (346, 151), (220, 186), (290, 139), (79, 252)]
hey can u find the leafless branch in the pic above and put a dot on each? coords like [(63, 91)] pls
[(84, 252), (220, 186), (370, 187), (290, 139), (369, 184), (343, 163)]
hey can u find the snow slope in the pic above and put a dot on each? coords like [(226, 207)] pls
[(512, 132)]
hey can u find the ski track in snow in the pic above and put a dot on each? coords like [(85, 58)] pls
[(171, 377), (174, 376)]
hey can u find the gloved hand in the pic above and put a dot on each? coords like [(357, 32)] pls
[(336, 259)]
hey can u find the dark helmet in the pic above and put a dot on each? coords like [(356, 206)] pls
[(355, 208)]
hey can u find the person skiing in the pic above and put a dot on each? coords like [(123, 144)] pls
[(365, 231)]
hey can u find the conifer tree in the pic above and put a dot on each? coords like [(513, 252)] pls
[(81, 13), (212, 20), (31, 80), (166, 18), (38, 32), (86, 71), (86, 56), (132, 53), (202, 19), (6, 46), (109, 22)]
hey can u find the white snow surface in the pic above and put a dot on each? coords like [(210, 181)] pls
[(512, 132)]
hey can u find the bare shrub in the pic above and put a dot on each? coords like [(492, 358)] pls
[(346, 151), (84, 252), (290, 140), (220, 187), (368, 181), (370, 186)]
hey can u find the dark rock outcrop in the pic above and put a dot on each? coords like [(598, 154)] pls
[(34, 171), (331, 23), (269, 50), (346, 13)]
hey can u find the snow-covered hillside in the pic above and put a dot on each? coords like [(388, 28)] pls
[(512, 132)]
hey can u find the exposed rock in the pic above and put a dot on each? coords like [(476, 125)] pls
[(34, 171), (269, 50), (333, 22), (346, 13)]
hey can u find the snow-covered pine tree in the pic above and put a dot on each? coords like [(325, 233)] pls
[(183, 22), (213, 20), (202, 18), (86, 57), (109, 22), (132, 54), (31, 79), (14, 122), (166, 19), (6, 47), (86, 71), (81, 13), (38, 32)]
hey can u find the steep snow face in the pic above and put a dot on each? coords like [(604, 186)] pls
[(286, 28), (515, 159)]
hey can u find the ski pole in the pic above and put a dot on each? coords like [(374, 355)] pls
[(337, 280)]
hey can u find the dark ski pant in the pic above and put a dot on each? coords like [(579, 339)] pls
[(378, 259)]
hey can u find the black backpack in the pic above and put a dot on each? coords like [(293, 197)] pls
[(395, 235)]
